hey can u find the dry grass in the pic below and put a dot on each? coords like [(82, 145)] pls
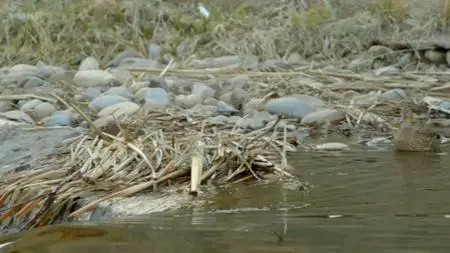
[(153, 149), (65, 32)]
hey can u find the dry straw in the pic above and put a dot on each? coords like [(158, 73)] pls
[(160, 149)]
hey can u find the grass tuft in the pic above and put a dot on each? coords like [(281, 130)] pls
[(65, 32)]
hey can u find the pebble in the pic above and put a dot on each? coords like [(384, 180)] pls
[(104, 101), (121, 75), (226, 97), (204, 110), (255, 104), (294, 58), (225, 108), (43, 110), (323, 116), (188, 101), (365, 99), (59, 118), (6, 122), (312, 101), (5, 106), (447, 57), (17, 115), (273, 66), (30, 105), (121, 91), (360, 64), (34, 82), (157, 96), (238, 97), (289, 106), (90, 93), (136, 62), (90, 63), (210, 101), (119, 109), (387, 71), (203, 91), (378, 142), (394, 94), (158, 82), (217, 62), (154, 51), (249, 62), (406, 59), (378, 50), (218, 120), (263, 115), (252, 123), (445, 105), (238, 81), (92, 78), (25, 68), (436, 57), (120, 57), (332, 146)]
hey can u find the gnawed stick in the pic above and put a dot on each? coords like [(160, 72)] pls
[(197, 168)]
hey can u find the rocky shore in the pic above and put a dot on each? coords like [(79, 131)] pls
[(48, 112)]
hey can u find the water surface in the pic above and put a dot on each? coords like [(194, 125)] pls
[(360, 201)]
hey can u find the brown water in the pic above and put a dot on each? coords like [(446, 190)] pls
[(361, 202)]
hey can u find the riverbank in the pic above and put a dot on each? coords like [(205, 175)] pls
[(138, 118)]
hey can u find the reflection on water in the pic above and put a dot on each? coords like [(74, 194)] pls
[(360, 202)]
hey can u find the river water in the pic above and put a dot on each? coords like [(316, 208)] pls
[(360, 201)]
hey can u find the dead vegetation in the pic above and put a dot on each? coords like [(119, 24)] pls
[(65, 32), (153, 150), (168, 148)]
